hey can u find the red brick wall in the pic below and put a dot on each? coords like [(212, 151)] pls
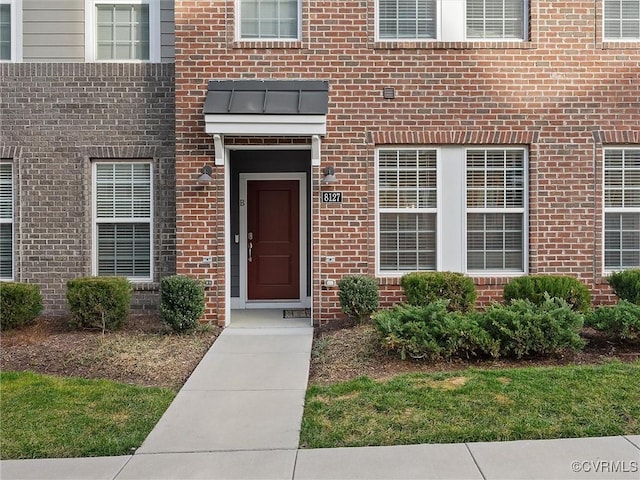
[(563, 93)]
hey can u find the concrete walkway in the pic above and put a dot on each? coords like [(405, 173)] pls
[(238, 417)]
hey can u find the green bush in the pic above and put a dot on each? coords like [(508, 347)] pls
[(20, 304), (524, 329), (626, 285), (431, 331), (621, 321), (535, 287), (181, 302), (424, 288), (358, 296), (99, 302)]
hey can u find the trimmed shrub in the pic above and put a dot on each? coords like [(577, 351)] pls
[(621, 321), (181, 302), (536, 288), (432, 332), (99, 302), (524, 329), (424, 288), (626, 285), (358, 296), (20, 304)]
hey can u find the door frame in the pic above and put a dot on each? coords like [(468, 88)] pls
[(243, 302)]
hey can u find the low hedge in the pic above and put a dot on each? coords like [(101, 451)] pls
[(432, 332), (536, 288), (520, 329), (99, 302), (20, 304), (524, 329), (424, 288), (621, 321), (182, 302), (626, 285)]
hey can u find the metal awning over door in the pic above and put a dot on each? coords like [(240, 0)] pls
[(266, 107)]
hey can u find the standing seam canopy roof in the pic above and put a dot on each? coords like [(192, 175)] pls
[(267, 97)]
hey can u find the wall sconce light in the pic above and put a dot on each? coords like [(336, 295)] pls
[(206, 174), (329, 175)]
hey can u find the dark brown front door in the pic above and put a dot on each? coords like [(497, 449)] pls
[(273, 226)]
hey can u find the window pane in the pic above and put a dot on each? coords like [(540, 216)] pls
[(622, 240), (501, 19), (269, 19), (122, 32), (622, 19), (407, 19), (6, 221), (495, 179), (495, 241), (407, 241), (124, 249), (5, 32), (622, 178)]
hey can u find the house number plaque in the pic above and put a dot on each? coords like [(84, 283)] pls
[(331, 197)]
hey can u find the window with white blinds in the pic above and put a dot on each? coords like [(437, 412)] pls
[(407, 19), (621, 208), (5, 31), (622, 19), (495, 209), (6, 221), (269, 19), (495, 19), (407, 206), (452, 20), (123, 212)]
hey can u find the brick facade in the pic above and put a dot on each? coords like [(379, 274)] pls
[(563, 93), (56, 118)]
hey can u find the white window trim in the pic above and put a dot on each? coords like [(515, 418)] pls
[(12, 222), (523, 210), (456, 30), (155, 47), (457, 248), (238, 28), (605, 209), (95, 220), (614, 39), (16, 30)]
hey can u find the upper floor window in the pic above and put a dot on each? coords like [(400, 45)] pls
[(621, 208), (10, 27), (269, 19), (495, 19), (452, 20), (6, 221), (622, 19), (123, 30), (123, 220)]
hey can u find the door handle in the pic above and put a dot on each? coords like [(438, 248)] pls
[(250, 258)]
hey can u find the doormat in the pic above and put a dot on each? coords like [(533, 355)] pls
[(297, 313)]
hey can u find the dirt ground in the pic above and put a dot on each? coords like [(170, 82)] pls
[(146, 352)]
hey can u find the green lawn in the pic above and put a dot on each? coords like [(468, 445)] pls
[(44, 416), (475, 405)]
